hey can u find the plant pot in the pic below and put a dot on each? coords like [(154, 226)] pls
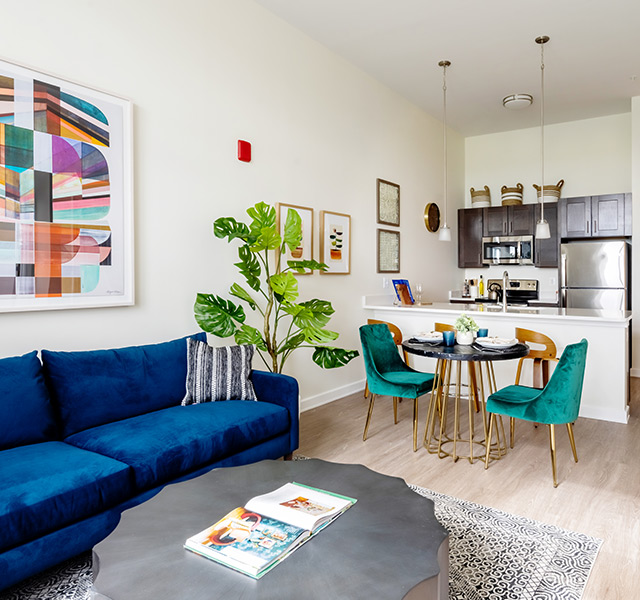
[(464, 338)]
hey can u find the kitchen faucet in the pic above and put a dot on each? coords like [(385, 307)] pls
[(505, 283)]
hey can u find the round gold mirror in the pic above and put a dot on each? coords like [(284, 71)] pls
[(432, 217)]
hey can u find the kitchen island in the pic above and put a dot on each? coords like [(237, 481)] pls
[(605, 394)]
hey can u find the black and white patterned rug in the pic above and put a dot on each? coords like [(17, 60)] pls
[(497, 555), (493, 555)]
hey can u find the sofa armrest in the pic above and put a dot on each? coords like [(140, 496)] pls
[(283, 391)]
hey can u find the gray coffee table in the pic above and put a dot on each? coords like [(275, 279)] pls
[(388, 545)]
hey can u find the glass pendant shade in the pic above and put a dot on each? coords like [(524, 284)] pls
[(542, 230), (444, 235)]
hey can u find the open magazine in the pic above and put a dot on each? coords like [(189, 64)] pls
[(254, 538)]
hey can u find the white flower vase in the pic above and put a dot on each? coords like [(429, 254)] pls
[(464, 338)]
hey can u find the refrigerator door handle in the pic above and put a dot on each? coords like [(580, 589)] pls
[(563, 269), (563, 298)]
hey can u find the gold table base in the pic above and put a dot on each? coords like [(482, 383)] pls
[(438, 437)]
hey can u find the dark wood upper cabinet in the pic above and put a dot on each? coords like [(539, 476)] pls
[(521, 219), (494, 221), (575, 217), (607, 215), (595, 216), (470, 237), (517, 219), (546, 251)]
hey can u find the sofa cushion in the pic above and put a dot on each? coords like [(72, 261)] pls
[(26, 416), (95, 387), (218, 373), (47, 486), (165, 444)]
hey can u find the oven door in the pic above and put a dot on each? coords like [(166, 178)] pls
[(501, 251)]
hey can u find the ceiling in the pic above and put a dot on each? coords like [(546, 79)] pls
[(592, 61)]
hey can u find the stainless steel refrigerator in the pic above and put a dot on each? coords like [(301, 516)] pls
[(595, 274)]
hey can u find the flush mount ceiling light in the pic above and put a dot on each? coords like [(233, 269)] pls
[(517, 101)]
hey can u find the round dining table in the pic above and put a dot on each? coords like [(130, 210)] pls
[(445, 440)]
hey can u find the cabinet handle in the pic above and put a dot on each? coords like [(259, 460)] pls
[(595, 226), (588, 226)]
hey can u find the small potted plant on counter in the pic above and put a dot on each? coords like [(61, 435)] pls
[(465, 328)]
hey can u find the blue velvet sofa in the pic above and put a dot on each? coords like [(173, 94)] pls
[(85, 435)]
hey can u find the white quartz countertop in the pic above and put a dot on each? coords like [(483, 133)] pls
[(386, 302)]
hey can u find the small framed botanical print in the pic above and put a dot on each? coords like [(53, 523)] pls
[(388, 208), (335, 242), (388, 251), (305, 250)]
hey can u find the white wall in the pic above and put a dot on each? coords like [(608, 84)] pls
[(203, 74), (593, 156), (635, 189)]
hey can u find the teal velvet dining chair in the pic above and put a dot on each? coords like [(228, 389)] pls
[(558, 403), (388, 375)]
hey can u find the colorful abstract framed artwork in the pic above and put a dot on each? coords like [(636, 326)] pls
[(388, 251), (335, 242), (388, 206), (66, 180), (305, 250)]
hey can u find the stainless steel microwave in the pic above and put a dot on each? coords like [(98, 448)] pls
[(511, 250)]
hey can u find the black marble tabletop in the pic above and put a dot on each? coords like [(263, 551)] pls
[(462, 352)]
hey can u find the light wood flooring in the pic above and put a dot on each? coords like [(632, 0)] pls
[(599, 495)]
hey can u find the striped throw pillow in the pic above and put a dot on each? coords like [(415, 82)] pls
[(218, 373)]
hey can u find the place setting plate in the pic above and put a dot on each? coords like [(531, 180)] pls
[(429, 337), (496, 343)]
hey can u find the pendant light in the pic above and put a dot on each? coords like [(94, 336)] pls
[(445, 232), (542, 226)]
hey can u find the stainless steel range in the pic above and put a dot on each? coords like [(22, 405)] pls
[(519, 291)]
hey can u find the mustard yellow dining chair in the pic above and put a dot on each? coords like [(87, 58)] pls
[(558, 403), (541, 358), (388, 375)]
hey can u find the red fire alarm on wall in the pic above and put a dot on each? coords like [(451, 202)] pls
[(244, 151)]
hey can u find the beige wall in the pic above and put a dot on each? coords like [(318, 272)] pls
[(592, 156), (201, 75)]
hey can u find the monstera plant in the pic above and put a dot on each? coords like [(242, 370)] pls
[(271, 291)]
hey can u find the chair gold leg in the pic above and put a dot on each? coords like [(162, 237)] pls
[(366, 389), (434, 405), (552, 443), (395, 410), (572, 440), (492, 418), (369, 413), (415, 424), (512, 431), (473, 393), (456, 413)]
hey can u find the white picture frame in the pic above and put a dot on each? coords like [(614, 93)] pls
[(66, 218)]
